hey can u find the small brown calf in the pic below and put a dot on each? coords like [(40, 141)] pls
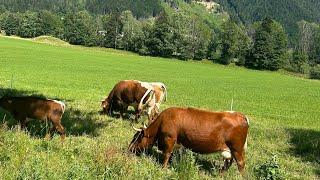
[(22, 108)]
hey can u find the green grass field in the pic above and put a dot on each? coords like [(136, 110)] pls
[(284, 114)]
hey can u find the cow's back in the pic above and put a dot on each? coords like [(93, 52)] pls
[(130, 91), (37, 108)]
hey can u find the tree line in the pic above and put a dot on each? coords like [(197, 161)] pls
[(262, 45)]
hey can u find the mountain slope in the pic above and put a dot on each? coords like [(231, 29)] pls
[(140, 8), (287, 12)]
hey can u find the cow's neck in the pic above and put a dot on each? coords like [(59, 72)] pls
[(152, 131)]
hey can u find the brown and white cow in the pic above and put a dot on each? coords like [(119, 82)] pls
[(140, 95), (198, 130), (23, 108)]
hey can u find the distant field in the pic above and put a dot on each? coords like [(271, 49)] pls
[(284, 113)]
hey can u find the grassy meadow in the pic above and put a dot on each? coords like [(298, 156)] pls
[(284, 114)]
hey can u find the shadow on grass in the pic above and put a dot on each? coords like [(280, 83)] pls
[(306, 145), (75, 121), (21, 93), (129, 115), (208, 165)]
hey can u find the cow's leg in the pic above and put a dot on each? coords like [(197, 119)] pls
[(169, 145), (22, 120), (57, 125), (23, 124), (123, 109), (227, 164), (50, 132), (239, 157), (137, 114), (227, 159), (149, 113)]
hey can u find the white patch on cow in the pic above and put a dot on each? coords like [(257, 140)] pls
[(157, 84), (164, 91), (246, 144), (149, 111), (146, 85), (230, 111), (61, 104), (157, 105), (247, 120), (226, 154)]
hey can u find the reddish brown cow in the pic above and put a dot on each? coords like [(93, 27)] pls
[(198, 130), (134, 93), (23, 108)]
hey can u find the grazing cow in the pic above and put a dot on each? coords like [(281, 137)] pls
[(23, 108), (140, 95), (198, 130)]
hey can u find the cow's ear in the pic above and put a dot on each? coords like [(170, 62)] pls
[(9, 101), (102, 104)]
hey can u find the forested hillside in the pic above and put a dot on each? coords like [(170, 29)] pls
[(287, 12), (140, 8)]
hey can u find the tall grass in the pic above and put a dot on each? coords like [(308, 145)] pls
[(283, 112)]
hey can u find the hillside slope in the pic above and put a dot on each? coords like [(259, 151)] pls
[(283, 112), (287, 12), (140, 8)]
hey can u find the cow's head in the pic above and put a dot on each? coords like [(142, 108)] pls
[(6, 103), (105, 106), (141, 141)]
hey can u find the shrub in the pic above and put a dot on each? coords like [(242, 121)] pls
[(299, 62), (315, 72), (184, 162), (270, 170)]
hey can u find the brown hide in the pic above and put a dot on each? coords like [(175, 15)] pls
[(198, 130), (124, 93), (22, 108)]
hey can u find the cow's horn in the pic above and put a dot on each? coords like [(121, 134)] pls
[(152, 96), (144, 126), (137, 129)]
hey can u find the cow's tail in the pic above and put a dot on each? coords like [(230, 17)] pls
[(165, 93), (246, 143)]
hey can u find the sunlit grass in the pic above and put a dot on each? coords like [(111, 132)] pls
[(283, 110)]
